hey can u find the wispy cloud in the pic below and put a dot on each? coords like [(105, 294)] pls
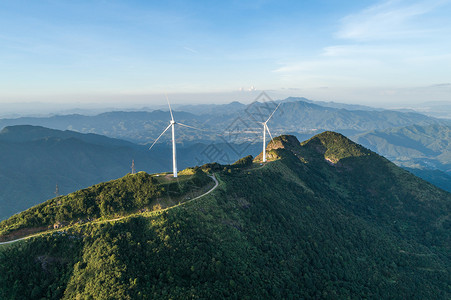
[(290, 67), (325, 71), (360, 50), (389, 19), (376, 49), (191, 50)]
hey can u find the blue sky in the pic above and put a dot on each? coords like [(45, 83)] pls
[(364, 51)]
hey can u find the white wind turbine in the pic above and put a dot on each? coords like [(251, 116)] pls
[(174, 152), (265, 128)]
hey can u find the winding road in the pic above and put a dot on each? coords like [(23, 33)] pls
[(13, 241), (204, 194), (209, 191)]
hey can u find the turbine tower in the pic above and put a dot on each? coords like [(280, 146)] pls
[(265, 128), (174, 150)]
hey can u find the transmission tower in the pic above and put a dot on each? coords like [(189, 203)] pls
[(57, 190), (133, 166)]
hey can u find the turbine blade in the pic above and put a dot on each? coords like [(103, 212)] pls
[(170, 110), (273, 112), (160, 136), (190, 126), (267, 128)]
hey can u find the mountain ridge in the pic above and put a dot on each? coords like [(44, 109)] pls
[(295, 227)]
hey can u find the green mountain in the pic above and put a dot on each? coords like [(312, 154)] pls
[(325, 218)]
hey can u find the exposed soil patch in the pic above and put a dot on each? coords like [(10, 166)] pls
[(21, 233)]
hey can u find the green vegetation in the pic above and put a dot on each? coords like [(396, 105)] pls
[(244, 162), (335, 146), (299, 227), (39, 268), (114, 198), (437, 177)]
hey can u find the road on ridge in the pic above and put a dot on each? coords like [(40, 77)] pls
[(204, 194), (209, 191)]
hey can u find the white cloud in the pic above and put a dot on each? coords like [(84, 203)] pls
[(247, 89), (389, 19)]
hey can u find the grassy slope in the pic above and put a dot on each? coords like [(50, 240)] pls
[(119, 197), (291, 229)]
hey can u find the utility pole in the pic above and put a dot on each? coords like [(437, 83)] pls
[(57, 191), (133, 166)]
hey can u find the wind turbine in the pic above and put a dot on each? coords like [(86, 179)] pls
[(174, 151), (265, 128)]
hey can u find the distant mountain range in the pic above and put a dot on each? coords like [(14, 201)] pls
[(415, 146), (218, 120), (213, 109), (332, 104), (132, 126), (301, 116)]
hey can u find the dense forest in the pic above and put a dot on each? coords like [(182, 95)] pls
[(325, 219)]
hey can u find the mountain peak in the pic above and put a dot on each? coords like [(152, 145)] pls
[(334, 146), (331, 146), (287, 142)]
